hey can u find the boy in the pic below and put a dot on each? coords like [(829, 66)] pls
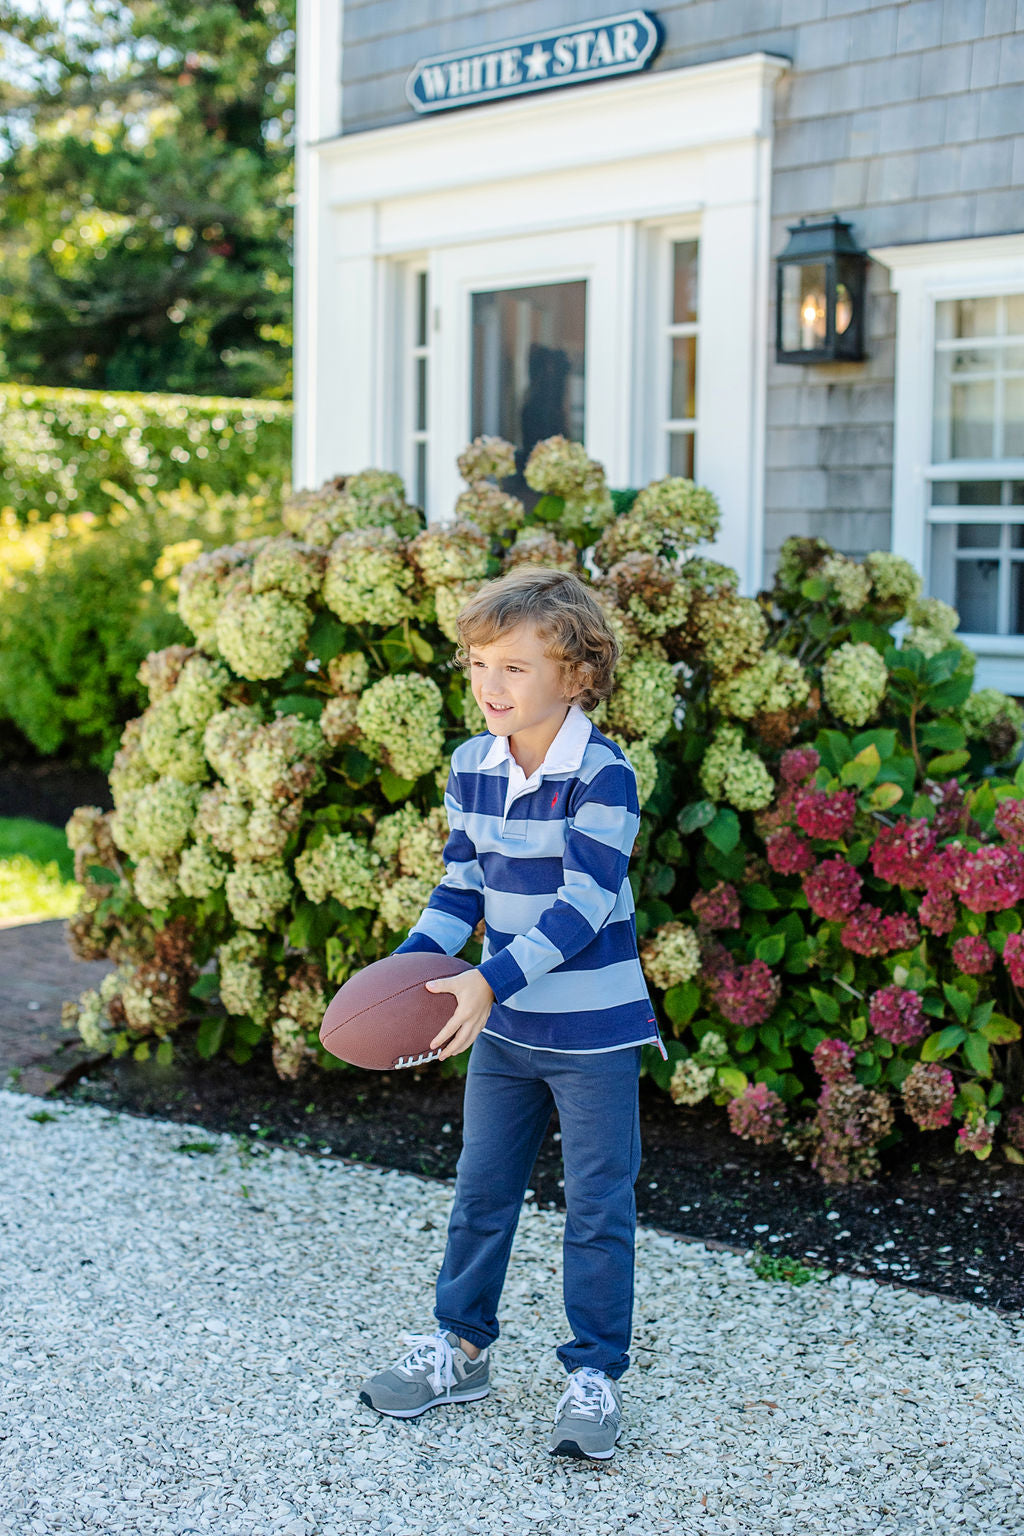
[(543, 812)]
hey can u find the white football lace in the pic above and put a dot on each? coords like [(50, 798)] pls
[(414, 1061), (433, 1349), (587, 1394)]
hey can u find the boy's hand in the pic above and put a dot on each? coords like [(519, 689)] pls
[(473, 1003)]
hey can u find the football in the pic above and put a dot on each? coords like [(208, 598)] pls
[(384, 1017)]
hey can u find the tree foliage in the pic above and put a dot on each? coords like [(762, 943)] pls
[(145, 195)]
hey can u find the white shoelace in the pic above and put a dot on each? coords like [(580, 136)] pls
[(433, 1349), (588, 1393)]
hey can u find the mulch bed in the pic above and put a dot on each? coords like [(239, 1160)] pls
[(935, 1221)]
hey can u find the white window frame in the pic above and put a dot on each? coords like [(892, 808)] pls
[(657, 329), (921, 275)]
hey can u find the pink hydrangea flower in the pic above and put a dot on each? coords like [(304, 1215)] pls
[(867, 932), (757, 1114), (788, 853), (833, 1059), (896, 1014), (833, 889), (901, 853), (989, 879), (973, 955), (797, 764), (746, 994), (937, 911), (823, 815), (719, 907), (1009, 821), (948, 800), (976, 1135), (928, 1092), (900, 930), (1014, 1127), (1013, 957)]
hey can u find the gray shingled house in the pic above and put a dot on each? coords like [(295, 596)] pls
[(528, 217)]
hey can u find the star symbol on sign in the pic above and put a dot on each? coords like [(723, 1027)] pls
[(537, 63)]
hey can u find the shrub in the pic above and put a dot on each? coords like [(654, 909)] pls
[(61, 448), (823, 827), (83, 600)]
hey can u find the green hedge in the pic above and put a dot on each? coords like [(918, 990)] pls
[(61, 448)]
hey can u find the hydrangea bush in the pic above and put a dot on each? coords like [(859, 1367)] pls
[(831, 854)]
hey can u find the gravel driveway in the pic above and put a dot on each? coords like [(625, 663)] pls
[(179, 1353)]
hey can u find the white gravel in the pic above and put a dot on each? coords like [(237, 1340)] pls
[(180, 1352)]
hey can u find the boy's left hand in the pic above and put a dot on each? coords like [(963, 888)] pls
[(473, 1004)]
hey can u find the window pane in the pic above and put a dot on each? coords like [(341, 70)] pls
[(967, 493), (1013, 425), (528, 367), (966, 317), (1015, 314), (682, 396), (979, 535), (1017, 598), (680, 454), (972, 409), (684, 281), (421, 309), (1017, 535), (977, 591)]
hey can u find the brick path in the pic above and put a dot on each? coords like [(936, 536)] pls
[(37, 973)]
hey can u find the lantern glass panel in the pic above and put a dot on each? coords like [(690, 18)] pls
[(804, 307)]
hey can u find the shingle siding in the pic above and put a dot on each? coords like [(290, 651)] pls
[(904, 116)]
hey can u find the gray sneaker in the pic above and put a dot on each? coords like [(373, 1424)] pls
[(588, 1417), (436, 1370)]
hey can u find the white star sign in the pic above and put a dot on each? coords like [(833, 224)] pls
[(537, 63)]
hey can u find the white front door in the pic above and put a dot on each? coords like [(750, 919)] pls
[(530, 339)]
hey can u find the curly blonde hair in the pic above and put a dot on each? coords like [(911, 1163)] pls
[(566, 617)]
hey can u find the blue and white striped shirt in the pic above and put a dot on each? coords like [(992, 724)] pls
[(544, 861)]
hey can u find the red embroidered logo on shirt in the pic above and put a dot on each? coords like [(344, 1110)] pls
[(554, 797)]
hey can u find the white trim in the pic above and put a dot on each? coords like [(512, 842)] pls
[(318, 113), (921, 275), (585, 173)]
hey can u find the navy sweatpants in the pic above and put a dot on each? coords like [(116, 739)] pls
[(509, 1093)]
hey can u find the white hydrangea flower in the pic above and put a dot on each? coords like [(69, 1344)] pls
[(202, 869), (774, 683), (402, 713), (258, 892), (644, 700), (155, 881), (690, 1082), (258, 633), (170, 745), (671, 955), (368, 578), (853, 681), (341, 866)]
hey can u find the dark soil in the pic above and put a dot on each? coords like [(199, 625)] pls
[(934, 1220)]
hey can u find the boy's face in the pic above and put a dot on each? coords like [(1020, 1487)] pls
[(516, 685)]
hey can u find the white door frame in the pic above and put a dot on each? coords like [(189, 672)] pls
[(599, 165)]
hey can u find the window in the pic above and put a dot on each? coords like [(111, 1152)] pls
[(975, 552), (418, 374), (679, 368)]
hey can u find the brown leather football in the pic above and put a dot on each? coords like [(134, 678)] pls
[(384, 1017)]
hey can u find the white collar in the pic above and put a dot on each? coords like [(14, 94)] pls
[(565, 754)]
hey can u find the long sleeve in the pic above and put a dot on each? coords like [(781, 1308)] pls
[(601, 831), (456, 904)]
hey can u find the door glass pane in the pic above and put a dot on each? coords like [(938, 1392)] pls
[(682, 399), (980, 535), (1017, 598), (680, 454), (684, 282), (528, 368)]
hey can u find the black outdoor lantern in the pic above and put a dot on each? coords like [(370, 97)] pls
[(819, 311)]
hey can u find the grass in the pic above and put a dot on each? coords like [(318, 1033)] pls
[(780, 1266), (36, 872)]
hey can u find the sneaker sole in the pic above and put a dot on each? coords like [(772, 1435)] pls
[(414, 1413), (570, 1448)]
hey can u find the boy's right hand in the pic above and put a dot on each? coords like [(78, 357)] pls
[(474, 997)]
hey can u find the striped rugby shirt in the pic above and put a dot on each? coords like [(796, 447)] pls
[(545, 862)]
